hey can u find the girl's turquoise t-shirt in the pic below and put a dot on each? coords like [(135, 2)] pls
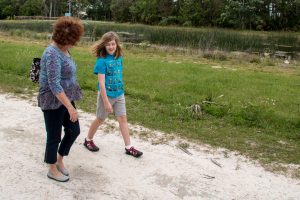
[(113, 70)]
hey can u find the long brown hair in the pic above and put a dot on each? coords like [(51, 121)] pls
[(98, 48)]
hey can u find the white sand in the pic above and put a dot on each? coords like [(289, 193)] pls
[(164, 171)]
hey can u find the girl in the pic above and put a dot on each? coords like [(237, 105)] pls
[(109, 67)]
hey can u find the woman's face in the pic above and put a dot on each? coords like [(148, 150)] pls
[(111, 47)]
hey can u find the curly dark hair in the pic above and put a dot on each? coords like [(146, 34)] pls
[(67, 31)]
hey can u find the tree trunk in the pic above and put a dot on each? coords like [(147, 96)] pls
[(54, 10), (50, 11)]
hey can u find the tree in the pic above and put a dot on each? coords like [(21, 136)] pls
[(145, 11), (10, 8), (79, 7), (54, 8), (99, 9), (211, 12), (8, 11), (190, 12), (241, 13), (120, 10), (166, 8), (32, 7), (286, 14)]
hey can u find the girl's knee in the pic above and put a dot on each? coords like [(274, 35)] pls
[(99, 120), (122, 118)]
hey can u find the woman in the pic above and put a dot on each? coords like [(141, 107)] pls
[(58, 91)]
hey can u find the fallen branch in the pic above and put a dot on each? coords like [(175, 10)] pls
[(184, 150), (209, 102), (208, 176), (216, 163)]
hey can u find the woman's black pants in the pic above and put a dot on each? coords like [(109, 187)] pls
[(54, 121)]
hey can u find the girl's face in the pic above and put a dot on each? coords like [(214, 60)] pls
[(111, 47)]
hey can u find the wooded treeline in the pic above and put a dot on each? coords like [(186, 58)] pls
[(238, 14)]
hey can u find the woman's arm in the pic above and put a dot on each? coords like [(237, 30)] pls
[(62, 97), (53, 68)]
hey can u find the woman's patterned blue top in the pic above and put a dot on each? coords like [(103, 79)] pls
[(57, 74)]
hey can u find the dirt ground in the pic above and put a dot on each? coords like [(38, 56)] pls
[(164, 172)]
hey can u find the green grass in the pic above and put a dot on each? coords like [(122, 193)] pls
[(255, 110)]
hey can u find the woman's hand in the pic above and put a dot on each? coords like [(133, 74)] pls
[(108, 107), (73, 114), (66, 102)]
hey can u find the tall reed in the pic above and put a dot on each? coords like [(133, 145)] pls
[(198, 38)]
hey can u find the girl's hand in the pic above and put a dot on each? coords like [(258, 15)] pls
[(73, 114), (108, 107)]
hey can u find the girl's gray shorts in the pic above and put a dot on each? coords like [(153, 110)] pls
[(118, 104)]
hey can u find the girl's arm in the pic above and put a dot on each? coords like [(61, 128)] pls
[(107, 105)]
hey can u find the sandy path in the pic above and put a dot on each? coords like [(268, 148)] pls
[(164, 172)]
